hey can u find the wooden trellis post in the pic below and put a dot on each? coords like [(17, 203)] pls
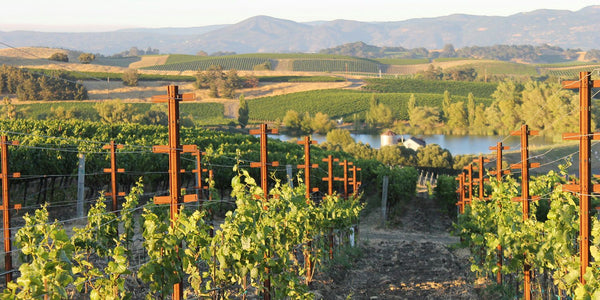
[(174, 150), (499, 173), (585, 186), (6, 205), (525, 165), (329, 160), (114, 193)]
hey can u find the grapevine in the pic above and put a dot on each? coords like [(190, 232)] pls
[(547, 240), (258, 236)]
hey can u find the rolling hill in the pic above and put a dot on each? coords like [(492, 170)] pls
[(561, 28)]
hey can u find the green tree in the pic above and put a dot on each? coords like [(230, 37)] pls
[(62, 113), (534, 111), (457, 116), (130, 77), (340, 137), (116, 111), (471, 109), (461, 161), (321, 123), (211, 79), (59, 56), (546, 106), (507, 98), (292, 120), (230, 84), (9, 110), (424, 117), (266, 66), (462, 74), (219, 83), (306, 123), (156, 116), (479, 121), (86, 58), (243, 112), (448, 51), (493, 117), (361, 151), (394, 155), (446, 105), (411, 104), (434, 156), (433, 73), (379, 115)]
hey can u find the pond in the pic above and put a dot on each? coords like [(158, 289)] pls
[(456, 144)]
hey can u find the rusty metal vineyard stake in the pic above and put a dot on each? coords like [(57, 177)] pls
[(113, 174), (499, 173), (6, 204), (525, 165), (174, 150), (329, 160), (480, 180), (198, 170), (354, 181), (344, 179), (264, 174), (307, 165), (585, 186), (264, 163), (461, 193)]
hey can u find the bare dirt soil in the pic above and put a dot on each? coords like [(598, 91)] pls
[(413, 261)]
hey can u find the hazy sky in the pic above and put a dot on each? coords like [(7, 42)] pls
[(102, 15)]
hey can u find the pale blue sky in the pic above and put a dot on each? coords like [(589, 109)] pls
[(104, 15)]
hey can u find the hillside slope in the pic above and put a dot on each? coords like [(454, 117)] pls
[(561, 28)]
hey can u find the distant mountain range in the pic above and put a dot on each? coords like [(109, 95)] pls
[(566, 29)]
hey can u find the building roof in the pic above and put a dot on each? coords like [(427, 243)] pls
[(417, 141)]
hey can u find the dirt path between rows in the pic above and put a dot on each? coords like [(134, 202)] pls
[(414, 261)]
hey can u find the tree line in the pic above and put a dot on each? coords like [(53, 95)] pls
[(32, 86), (544, 106), (528, 53)]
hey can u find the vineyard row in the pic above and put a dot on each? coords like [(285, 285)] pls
[(266, 255), (540, 232)]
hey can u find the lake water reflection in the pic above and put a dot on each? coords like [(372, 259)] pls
[(457, 144)]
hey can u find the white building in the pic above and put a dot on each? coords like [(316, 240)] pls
[(414, 143)]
